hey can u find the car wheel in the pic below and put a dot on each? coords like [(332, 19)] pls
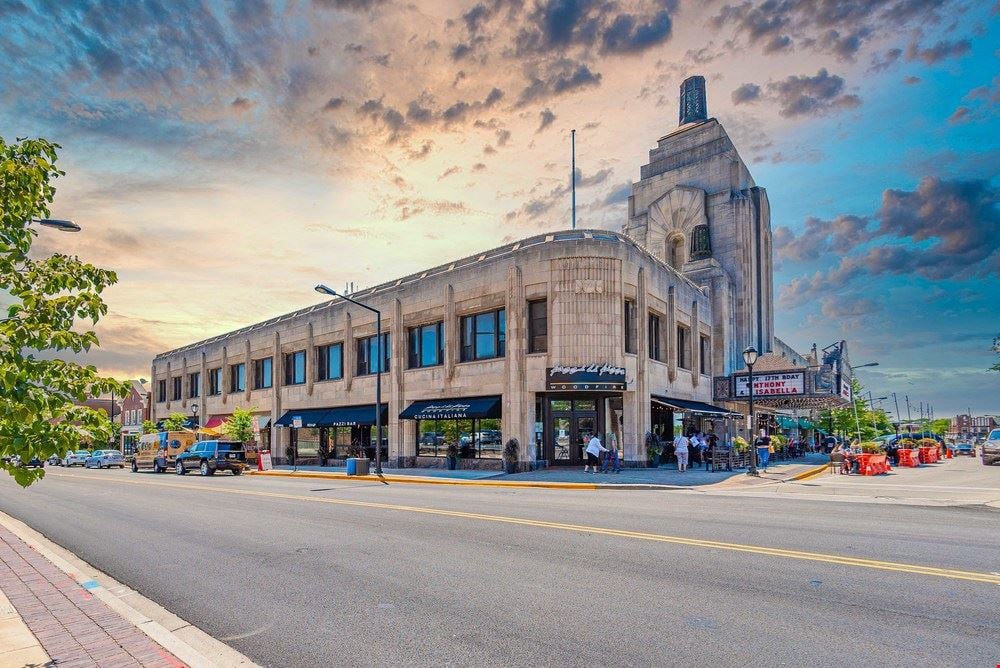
[(180, 468), (237, 471), (121, 466), (156, 467), (135, 468), (205, 470)]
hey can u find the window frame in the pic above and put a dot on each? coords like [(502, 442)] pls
[(292, 377), (161, 391), (259, 381), (704, 355), (215, 381), (415, 345), (235, 372), (469, 345), (176, 389), (194, 385), (323, 362), (538, 326), (655, 343), (363, 349), (683, 341)]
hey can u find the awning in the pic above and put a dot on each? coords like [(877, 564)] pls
[(341, 416), (786, 422), (263, 422), (454, 409), (805, 424), (215, 421), (691, 406)]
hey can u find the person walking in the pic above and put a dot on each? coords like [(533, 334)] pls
[(594, 450), (611, 462), (763, 445), (681, 444)]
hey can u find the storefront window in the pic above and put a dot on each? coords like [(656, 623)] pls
[(340, 439), (561, 405), (474, 438), (307, 442)]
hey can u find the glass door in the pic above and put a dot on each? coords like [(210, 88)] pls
[(584, 428), (562, 434)]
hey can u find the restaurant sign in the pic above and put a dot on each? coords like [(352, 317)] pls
[(845, 388), (587, 377), (772, 384), (444, 411)]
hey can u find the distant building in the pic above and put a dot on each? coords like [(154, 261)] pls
[(134, 410), (972, 426)]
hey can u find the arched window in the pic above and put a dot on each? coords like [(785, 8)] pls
[(675, 252)]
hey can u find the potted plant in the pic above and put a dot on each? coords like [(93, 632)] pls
[(451, 456), (653, 449), (510, 451)]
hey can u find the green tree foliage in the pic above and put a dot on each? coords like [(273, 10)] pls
[(846, 421), (239, 426), (938, 426), (174, 422), (51, 301), (149, 427)]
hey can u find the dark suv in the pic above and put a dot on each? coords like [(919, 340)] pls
[(207, 457)]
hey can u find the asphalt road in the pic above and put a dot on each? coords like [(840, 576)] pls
[(321, 573)]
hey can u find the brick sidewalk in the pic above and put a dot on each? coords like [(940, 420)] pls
[(74, 627)]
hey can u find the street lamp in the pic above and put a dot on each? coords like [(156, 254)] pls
[(324, 290), (750, 358), (194, 413), (56, 224), (854, 404)]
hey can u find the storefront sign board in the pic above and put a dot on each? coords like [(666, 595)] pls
[(592, 377), (772, 384)]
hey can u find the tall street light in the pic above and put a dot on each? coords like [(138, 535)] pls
[(322, 289), (750, 358), (854, 404)]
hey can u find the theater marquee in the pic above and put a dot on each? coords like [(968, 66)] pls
[(772, 384)]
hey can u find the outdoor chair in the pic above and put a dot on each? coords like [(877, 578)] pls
[(836, 463)]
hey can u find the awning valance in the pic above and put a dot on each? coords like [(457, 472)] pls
[(786, 422), (215, 421), (341, 416), (691, 406), (454, 409)]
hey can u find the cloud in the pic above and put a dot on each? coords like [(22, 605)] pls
[(811, 95), (960, 116), (334, 103), (847, 306), (618, 195), (241, 105), (547, 119), (627, 35), (942, 230), (455, 169), (748, 92), (560, 77), (940, 51)]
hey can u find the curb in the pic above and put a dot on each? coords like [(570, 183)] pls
[(805, 475), (421, 480), (91, 579)]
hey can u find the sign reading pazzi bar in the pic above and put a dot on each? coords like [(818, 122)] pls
[(589, 377), (772, 384)]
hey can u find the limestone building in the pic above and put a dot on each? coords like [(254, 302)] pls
[(547, 340)]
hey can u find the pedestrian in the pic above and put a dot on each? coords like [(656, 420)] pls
[(763, 445), (611, 461), (681, 451), (594, 450)]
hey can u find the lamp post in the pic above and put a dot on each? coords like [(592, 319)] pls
[(750, 358), (194, 413), (56, 224), (871, 402), (854, 404), (322, 289)]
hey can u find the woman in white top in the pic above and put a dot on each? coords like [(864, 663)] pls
[(594, 450), (681, 451)]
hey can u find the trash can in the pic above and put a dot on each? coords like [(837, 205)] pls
[(357, 466)]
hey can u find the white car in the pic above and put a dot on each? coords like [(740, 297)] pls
[(76, 458)]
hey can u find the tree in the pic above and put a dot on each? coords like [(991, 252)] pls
[(51, 300), (174, 422), (149, 427), (847, 421), (939, 426), (239, 426)]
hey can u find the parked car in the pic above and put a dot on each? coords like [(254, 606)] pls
[(991, 448), (963, 449), (158, 452), (55, 460), (76, 458), (207, 457), (34, 462), (105, 459)]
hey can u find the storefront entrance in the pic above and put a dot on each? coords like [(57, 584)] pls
[(570, 422)]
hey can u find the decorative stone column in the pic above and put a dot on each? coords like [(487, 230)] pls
[(397, 345), (310, 360), (226, 375), (515, 397), (642, 408), (695, 345), (202, 379), (247, 371), (671, 335)]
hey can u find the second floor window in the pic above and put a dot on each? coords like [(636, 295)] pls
[(631, 333), (177, 389), (683, 357), (295, 368), (654, 338), (194, 385), (161, 391), (330, 362), (703, 355), (238, 377), (538, 326), (368, 357), (263, 373), (426, 345), (484, 336), (215, 381)]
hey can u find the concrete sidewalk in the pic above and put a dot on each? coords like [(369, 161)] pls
[(665, 477)]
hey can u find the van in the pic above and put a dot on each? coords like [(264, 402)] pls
[(991, 448), (158, 452)]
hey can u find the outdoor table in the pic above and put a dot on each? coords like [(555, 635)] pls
[(908, 457)]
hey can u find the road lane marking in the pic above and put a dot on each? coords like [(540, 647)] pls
[(915, 569)]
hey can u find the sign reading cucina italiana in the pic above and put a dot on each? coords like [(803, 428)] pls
[(772, 384)]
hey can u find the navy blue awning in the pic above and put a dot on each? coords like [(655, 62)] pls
[(691, 406), (454, 409), (341, 416)]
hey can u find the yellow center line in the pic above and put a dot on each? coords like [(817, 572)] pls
[(915, 569)]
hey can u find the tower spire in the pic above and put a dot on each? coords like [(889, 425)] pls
[(694, 104)]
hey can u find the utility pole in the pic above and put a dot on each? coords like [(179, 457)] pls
[(896, 401), (909, 417), (573, 141)]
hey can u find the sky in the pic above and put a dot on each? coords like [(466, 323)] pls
[(224, 157)]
